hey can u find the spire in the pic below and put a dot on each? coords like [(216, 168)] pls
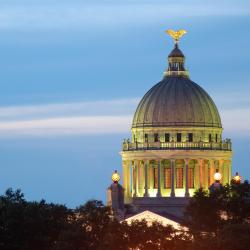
[(176, 58)]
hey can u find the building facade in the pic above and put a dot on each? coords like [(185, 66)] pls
[(176, 144)]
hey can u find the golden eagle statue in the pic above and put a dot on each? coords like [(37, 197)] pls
[(176, 35)]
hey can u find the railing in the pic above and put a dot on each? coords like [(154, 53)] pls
[(131, 146)]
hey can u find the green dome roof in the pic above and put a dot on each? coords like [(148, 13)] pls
[(176, 101)]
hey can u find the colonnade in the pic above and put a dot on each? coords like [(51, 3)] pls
[(139, 176)]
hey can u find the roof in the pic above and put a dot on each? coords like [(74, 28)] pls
[(151, 217), (176, 101), (176, 52)]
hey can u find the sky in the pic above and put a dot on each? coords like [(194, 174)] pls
[(73, 72)]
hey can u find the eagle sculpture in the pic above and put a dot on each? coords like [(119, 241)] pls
[(176, 35)]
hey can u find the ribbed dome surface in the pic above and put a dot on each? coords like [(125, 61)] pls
[(176, 52), (176, 102)]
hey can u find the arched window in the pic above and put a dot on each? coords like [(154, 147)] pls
[(179, 177), (167, 137), (167, 177), (190, 137), (178, 137), (156, 137), (190, 178), (210, 138)]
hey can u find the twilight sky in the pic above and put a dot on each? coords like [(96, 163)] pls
[(72, 73)]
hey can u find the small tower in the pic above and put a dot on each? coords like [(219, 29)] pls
[(115, 196)]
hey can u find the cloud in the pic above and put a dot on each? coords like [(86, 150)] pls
[(67, 126), (90, 108), (236, 120), (97, 117), (76, 14)]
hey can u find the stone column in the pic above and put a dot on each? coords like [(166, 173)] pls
[(186, 179), (212, 171), (126, 180), (172, 162), (229, 170), (201, 173), (221, 171), (159, 179), (206, 184), (225, 171), (135, 179), (146, 178)]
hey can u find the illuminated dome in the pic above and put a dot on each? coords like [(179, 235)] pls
[(176, 144), (176, 101)]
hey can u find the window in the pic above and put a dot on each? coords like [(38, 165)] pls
[(155, 177), (216, 138), (210, 138), (167, 137), (146, 137), (190, 178), (156, 137), (179, 177), (190, 137), (178, 137), (167, 177)]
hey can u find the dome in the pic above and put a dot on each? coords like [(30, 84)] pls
[(176, 52), (176, 101)]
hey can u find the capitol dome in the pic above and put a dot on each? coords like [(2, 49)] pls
[(176, 143), (176, 101)]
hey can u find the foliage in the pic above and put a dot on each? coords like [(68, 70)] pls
[(220, 219), (28, 225)]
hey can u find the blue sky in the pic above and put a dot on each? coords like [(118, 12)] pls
[(72, 73)]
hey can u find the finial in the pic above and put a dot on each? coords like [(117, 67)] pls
[(217, 176), (237, 178), (115, 177), (176, 35)]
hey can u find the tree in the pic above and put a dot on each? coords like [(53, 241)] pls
[(220, 220), (29, 225)]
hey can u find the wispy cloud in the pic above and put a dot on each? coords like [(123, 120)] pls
[(67, 126), (49, 14), (236, 121), (98, 117), (72, 109)]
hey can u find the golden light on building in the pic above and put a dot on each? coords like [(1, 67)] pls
[(217, 176), (237, 178), (176, 141), (115, 177)]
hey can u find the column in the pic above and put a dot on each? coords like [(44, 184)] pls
[(229, 171), (212, 171), (186, 179), (201, 173), (221, 171), (225, 173), (126, 179), (159, 179), (135, 179), (137, 165), (206, 184), (146, 178), (172, 162)]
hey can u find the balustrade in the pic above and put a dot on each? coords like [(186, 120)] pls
[(131, 146)]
